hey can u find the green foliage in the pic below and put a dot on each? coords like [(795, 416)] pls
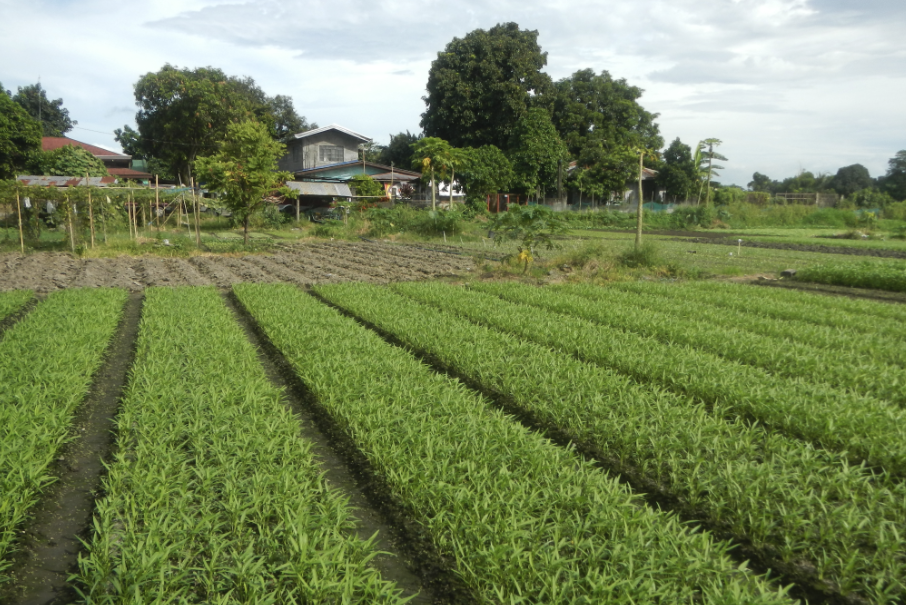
[(475, 499), (870, 198), (729, 195), (851, 179), (367, 188), (646, 255), (530, 226), (20, 137), (201, 423), (244, 169), (603, 169), (47, 361), (185, 113), (54, 118), (711, 461), (68, 160), (895, 180), (590, 106), (887, 276), (678, 173), (399, 152), (482, 84), (706, 166), (536, 151), (486, 170), (13, 301)]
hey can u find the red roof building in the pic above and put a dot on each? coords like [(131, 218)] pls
[(117, 164)]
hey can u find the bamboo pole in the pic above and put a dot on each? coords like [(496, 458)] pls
[(638, 224), (90, 212), (134, 215), (129, 215), (157, 201), (19, 211), (104, 222), (196, 213), (71, 231)]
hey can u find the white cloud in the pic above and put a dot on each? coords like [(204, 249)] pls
[(816, 83)]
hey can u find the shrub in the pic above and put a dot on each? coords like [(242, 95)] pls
[(647, 255)]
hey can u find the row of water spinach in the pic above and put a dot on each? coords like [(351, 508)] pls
[(214, 497)]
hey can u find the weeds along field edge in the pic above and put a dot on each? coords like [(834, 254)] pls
[(620, 309), (880, 344), (212, 492), (47, 362), (518, 515), (12, 301), (807, 512), (865, 428)]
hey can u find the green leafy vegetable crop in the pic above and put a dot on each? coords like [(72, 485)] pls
[(46, 365), (11, 302), (213, 496), (523, 520)]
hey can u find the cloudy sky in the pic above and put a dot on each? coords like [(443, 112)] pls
[(787, 85)]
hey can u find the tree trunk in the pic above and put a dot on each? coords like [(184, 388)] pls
[(638, 224), (452, 176)]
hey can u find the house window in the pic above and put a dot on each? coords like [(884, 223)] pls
[(295, 153), (331, 153)]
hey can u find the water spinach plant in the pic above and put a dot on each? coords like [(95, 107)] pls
[(806, 510), (840, 342), (865, 428), (213, 497), (522, 519), (47, 361), (11, 302)]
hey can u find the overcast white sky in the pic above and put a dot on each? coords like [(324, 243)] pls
[(786, 84)]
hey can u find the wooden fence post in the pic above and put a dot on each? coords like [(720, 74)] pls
[(19, 210)]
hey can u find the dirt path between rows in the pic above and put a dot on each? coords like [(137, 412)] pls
[(306, 264)]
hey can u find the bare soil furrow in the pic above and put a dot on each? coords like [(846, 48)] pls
[(51, 543), (281, 271), (189, 274), (247, 271), (215, 270)]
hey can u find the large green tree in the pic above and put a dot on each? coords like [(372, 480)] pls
[(244, 169), (895, 180), (588, 106), (54, 118), (536, 151), (762, 182), (486, 170), (481, 85), (184, 113), (399, 152), (604, 169), (677, 173), (20, 137), (851, 179), (68, 160)]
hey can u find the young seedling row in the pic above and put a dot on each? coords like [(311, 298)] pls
[(807, 510), (520, 516), (214, 494), (46, 365), (868, 429), (840, 341)]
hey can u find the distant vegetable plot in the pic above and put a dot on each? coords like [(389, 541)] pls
[(541, 444), (890, 277)]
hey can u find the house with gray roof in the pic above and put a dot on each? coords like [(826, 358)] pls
[(321, 147)]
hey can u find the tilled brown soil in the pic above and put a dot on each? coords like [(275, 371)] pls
[(304, 265)]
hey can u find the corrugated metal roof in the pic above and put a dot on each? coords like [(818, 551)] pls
[(320, 189), (66, 181), (308, 133)]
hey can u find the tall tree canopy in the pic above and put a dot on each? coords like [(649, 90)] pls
[(850, 179), (20, 136), (486, 170), (678, 173), (591, 106), (184, 113), (895, 181), (481, 85), (399, 151), (536, 152), (54, 118)]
